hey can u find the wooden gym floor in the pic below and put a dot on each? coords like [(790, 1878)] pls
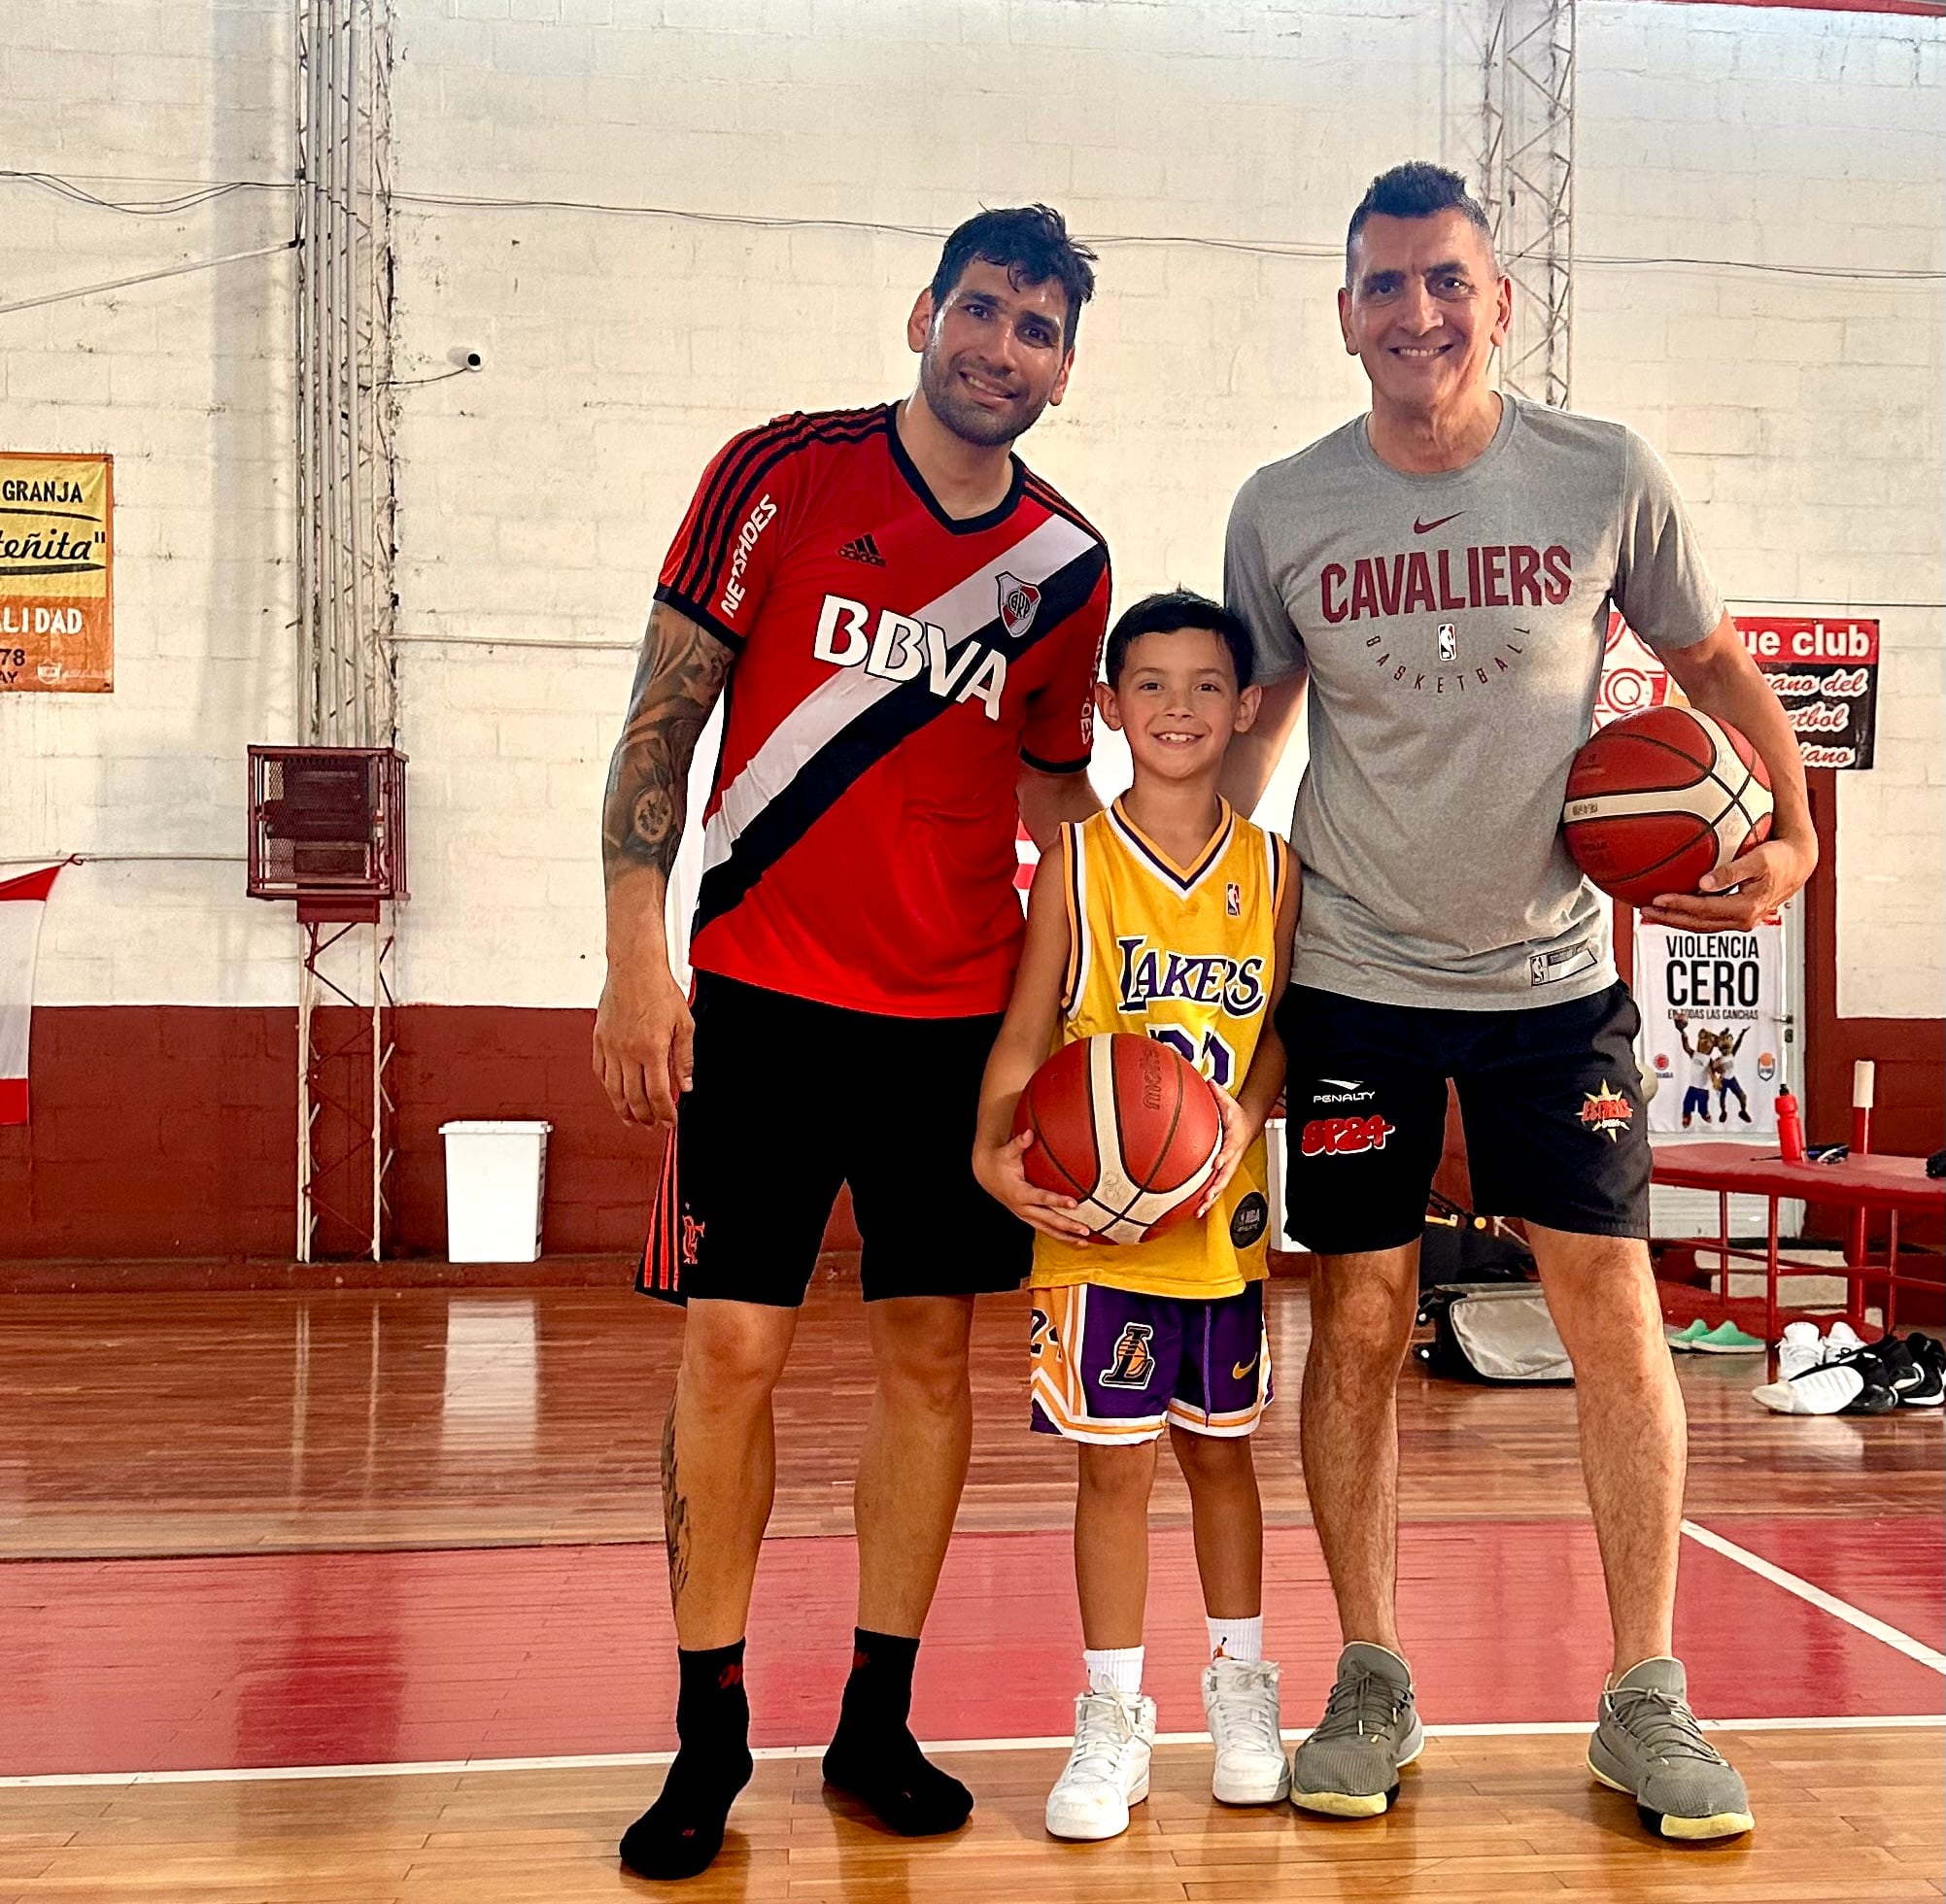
[(356, 1598)]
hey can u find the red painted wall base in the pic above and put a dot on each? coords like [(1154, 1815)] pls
[(171, 1131)]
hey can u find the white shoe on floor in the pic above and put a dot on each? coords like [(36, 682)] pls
[(1841, 1338), (1107, 1771), (1817, 1391), (1801, 1349), (1241, 1700)]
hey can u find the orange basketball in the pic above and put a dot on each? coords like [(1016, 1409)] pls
[(1125, 1126), (1657, 802)]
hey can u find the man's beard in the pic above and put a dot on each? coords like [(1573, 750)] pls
[(968, 420)]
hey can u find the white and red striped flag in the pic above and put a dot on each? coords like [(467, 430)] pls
[(23, 900)]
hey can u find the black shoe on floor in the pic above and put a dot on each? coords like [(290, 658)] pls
[(1903, 1368), (1878, 1370), (1928, 1360)]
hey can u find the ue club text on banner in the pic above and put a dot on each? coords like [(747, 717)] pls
[(1712, 1007), (1822, 668)]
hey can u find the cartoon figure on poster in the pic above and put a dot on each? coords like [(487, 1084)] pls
[(1712, 1062), (1713, 1017)]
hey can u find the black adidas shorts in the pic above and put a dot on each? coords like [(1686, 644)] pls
[(793, 1098), (1550, 1098)]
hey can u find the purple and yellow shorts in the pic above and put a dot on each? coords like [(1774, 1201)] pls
[(1110, 1366)]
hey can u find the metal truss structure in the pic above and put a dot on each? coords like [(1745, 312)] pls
[(1516, 126), (346, 410), (345, 1046), (346, 611)]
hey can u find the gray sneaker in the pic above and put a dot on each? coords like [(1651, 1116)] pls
[(1349, 1768), (1648, 1744)]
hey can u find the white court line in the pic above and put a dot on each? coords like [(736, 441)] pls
[(1817, 1596), (595, 1762)]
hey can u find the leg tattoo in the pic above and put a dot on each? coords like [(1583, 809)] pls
[(676, 1513)]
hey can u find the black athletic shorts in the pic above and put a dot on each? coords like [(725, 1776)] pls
[(1550, 1098), (793, 1098)]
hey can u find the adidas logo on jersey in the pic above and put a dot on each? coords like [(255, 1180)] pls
[(861, 548), (898, 648)]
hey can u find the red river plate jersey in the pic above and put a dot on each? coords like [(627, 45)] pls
[(893, 669)]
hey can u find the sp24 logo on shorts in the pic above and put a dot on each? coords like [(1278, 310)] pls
[(1346, 1137)]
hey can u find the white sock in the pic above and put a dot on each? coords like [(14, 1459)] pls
[(1237, 1638), (1113, 1669)]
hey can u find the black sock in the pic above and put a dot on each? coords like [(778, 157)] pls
[(679, 1834), (873, 1755)]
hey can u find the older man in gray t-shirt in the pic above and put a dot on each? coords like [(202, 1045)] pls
[(1440, 574), (1451, 626)]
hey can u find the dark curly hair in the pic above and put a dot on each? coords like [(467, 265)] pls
[(1031, 244)]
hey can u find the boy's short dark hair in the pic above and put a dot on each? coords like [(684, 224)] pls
[(1031, 244), (1416, 189), (1180, 608)]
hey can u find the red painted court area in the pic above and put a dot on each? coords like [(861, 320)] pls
[(396, 1658)]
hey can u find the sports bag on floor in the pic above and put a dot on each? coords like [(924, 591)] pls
[(1494, 1332)]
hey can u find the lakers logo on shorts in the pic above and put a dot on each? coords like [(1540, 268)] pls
[(1134, 1360)]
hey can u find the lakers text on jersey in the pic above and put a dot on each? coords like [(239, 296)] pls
[(1184, 954)]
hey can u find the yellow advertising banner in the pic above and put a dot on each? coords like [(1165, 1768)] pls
[(57, 574)]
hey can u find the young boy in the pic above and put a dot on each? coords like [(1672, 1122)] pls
[(1168, 916)]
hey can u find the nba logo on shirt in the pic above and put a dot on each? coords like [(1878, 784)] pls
[(1019, 603), (1233, 899), (1449, 641)]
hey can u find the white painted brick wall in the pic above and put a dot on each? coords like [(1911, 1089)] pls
[(188, 382), (1803, 416)]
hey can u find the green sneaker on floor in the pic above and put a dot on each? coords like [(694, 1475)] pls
[(1648, 1744), (1726, 1339), (1686, 1337)]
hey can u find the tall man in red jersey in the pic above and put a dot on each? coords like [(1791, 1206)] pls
[(908, 623)]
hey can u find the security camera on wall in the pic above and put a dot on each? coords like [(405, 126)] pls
[(460, 357)]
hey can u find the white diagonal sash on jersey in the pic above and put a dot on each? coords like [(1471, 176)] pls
[(831, 708)]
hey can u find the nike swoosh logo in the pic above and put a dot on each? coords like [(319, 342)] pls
[(1239, 1370), (1438, 522)]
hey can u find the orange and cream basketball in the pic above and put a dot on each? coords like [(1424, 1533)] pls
[(1125, 1127)]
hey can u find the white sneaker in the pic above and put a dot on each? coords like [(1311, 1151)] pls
[(1107, 1771), (1241, 1700), (1817, 1391), (1841, 1338), (1800, 1350)]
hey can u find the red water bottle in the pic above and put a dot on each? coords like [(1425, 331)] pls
[(1864, 1080), (1790, 1129)]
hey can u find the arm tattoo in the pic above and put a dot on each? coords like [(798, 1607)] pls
[(676, 1513), (677, 682)]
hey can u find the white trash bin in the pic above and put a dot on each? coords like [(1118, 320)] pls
[(496, 1188)]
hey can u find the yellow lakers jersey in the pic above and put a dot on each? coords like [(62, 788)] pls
[(1185, 955)]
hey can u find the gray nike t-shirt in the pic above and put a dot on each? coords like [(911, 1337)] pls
[(1454, 627)]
